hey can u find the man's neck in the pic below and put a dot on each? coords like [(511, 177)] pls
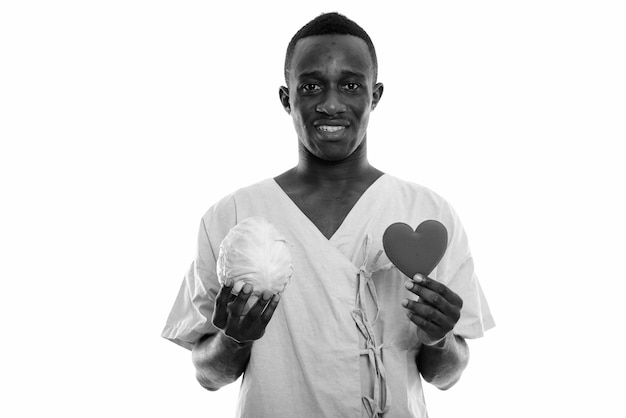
[(314, 171), (326, 191)]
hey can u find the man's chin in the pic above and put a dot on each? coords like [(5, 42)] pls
[(335, 156), (331, 151)]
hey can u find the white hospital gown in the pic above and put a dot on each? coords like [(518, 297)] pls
[(339, 343)]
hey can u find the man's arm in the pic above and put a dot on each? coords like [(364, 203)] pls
[(443, 355), (221, 358), (443, 363)]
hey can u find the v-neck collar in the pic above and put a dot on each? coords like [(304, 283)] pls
[(355, 208)]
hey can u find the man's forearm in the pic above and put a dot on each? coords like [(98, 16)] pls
[(443, 363), (219, 360)]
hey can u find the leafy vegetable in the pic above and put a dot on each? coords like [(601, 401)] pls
[(255, 252)]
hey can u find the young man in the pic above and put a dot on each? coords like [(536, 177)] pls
[(348, 337)]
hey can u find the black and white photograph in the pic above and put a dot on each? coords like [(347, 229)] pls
[(332, 209)]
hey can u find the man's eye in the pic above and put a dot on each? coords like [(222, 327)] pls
[(352, 86), (310, 87)]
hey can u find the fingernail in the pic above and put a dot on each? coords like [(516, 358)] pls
[(246, 288), (408, 285), (405, 303), (276, 297), (228, 283), (267, 295), (418, 278)]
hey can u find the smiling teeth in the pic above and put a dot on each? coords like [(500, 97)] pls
[(326, 128)]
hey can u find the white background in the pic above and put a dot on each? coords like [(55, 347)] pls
[(121, 122)]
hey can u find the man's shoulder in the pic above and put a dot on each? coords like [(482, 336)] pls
[(409, 190), (229, 202)]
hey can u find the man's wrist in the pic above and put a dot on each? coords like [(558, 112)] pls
[(233, 343), (444, 342)]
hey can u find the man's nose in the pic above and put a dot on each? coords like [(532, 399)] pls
[(331, 104)]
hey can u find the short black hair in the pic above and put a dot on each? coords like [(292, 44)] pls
[(330, 24)]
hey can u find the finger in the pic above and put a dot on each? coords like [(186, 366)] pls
[(237, 306), (439, 288), (435, 300), (220, 313), (255, 312), (429, 314), (425, 325), (269, 311), (224, 293)]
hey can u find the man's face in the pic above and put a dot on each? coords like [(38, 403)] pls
[(331, 93)]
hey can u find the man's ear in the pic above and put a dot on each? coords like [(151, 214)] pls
[(377, 94), (283, 93)]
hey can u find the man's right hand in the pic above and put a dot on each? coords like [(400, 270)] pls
[(227, 314)]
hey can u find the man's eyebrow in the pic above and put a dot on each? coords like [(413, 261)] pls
[(311, 74), (353, 74)]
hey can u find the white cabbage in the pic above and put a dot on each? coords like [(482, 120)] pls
[(255, 252)]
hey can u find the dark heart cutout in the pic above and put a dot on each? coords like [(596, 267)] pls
[(416, 251)]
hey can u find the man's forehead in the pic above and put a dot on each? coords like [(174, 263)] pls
[(316, 53), (319, 73)]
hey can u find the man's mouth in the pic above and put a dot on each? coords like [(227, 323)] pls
[(328, 128)]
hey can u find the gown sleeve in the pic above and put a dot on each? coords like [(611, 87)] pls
[(191, 314), (456, 270)]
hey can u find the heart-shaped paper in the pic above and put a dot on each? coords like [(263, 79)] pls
[(416, 251)]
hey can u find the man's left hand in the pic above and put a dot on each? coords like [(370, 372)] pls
[(437, 310)]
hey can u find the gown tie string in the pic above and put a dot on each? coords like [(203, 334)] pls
[(378, 404)]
